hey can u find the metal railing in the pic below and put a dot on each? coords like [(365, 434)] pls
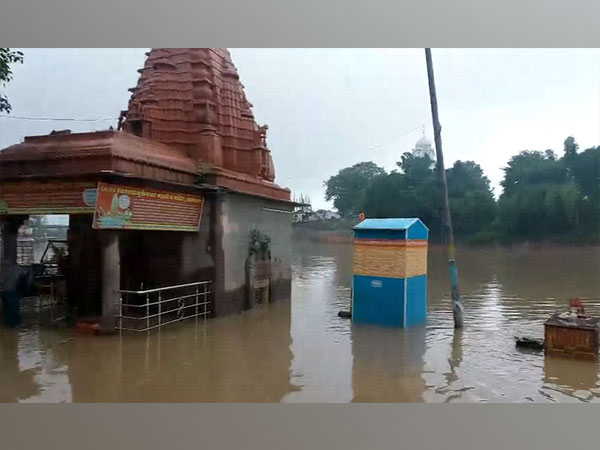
[(145, 310)]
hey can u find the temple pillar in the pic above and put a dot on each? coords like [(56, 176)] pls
[(9, 269), (111, 277), (10, 230)]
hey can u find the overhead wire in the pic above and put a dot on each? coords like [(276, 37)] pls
[(102, 119)]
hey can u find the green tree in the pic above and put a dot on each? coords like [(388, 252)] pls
[(423, 191), (570, 151), (393, 196), (530, 168), (7, 57), (542, 195), (347, 188), (586, 174), (471, 198), (417, 169), (415, 192)]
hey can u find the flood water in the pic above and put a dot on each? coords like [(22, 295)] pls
[(302, 352)]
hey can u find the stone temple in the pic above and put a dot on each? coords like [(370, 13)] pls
[(174, 196)]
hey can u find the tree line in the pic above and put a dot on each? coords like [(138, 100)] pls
[(544, 197)]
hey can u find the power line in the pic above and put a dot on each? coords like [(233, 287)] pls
[(104, 119), (398, 137)]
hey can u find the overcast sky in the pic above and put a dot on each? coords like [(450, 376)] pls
[(331, 108)]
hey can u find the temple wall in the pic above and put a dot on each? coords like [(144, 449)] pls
[(219, 252), (235, 217)]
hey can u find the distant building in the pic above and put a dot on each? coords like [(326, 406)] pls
[(302, 212), (327, 215), (307, 215), (423, 147), (303, 215)]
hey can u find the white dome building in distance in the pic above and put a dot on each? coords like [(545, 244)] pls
[(423, 147)]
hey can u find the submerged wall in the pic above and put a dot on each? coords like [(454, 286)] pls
[(147, 259), (236, 216), (218, 252)]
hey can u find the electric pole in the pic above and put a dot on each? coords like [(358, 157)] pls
[(437, 133)]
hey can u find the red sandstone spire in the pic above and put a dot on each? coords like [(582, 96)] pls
[(192, 98)]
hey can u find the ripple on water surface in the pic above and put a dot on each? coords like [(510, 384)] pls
[(303, 352)]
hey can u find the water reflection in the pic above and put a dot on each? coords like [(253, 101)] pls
[(29, 368), (322, 364), (245, 358), (303, 352), (241, 359), (388, 364), (456, 356), (577, 379), (17, 383)]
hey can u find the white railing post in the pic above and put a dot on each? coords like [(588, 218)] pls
[(197, 302), (159, 309), (205, 300), (148, 312)]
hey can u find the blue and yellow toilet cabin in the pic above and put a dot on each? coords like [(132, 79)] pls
[(390, 272)]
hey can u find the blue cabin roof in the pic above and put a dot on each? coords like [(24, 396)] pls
[(389, 224)]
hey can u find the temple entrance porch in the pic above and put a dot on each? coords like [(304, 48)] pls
[(103, 259)]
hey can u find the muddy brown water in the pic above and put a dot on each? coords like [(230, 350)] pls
[(301, 351)]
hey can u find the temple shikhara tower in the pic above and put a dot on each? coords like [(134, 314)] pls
[(192, 99), (174, 196)]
